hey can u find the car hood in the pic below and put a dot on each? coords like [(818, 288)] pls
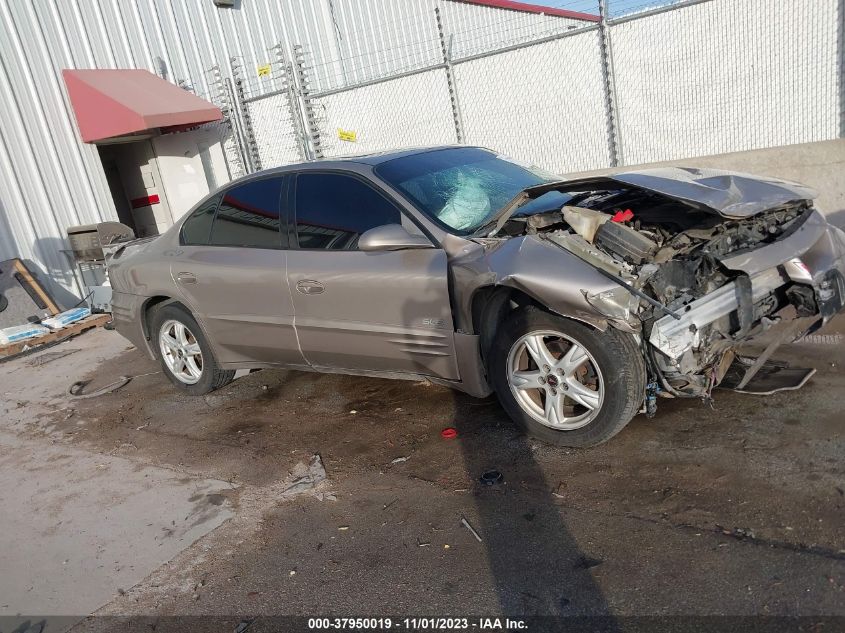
[(730, 194)]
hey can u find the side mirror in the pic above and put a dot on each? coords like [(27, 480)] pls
[(391, 237)]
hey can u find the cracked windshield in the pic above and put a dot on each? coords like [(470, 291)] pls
[(463, 189)]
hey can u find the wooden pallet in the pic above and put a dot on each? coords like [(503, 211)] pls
[(74, 329)]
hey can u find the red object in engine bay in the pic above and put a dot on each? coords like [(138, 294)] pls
[(622, 216)]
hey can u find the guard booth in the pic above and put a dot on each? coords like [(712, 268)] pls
[(157, 162)]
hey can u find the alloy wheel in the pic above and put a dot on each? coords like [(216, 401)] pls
[(181, 351), (555, 380)]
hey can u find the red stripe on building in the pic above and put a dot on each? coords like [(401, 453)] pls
[(145, 201)]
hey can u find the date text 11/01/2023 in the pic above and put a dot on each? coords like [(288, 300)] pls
[(417, 624)]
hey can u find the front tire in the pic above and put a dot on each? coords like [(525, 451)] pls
[(184, 352), (564, 382)]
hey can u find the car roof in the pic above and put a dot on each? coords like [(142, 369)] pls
[(377, 158), (338, 162)]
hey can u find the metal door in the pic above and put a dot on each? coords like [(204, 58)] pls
[(236, 283), (380, 311)]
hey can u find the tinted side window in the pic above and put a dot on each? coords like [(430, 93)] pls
[(196, 229), (249, 215), (332, 210)]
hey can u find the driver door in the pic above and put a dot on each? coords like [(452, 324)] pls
[(383, 311)]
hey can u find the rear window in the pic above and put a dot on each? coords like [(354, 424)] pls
[(197, 227), (249, 215)]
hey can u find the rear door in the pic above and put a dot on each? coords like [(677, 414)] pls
[(378, 311), (232, 273)]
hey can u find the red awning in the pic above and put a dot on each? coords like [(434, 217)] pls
[(112, 103)]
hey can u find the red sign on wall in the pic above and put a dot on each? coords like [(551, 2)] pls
[(145, 201)]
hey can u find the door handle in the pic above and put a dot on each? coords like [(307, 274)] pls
[(186, 278), (309, 287)]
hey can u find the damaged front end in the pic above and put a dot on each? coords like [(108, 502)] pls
[(703, 262)]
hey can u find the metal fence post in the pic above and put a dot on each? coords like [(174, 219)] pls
[(222, 98), (614, 138), (446, 50), (248, 132), (309, 108), (294, 106), (840, 47)]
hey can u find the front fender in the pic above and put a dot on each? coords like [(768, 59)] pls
[(548, 274)]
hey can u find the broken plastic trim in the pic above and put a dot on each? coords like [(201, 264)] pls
[(638, 293)]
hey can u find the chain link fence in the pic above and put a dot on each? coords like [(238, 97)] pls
[(411, 111), (723, 76), (693, 78), (221, 95), (542, 103)]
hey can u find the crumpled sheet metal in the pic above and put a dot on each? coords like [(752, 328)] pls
[(730, 194), (551, 275)]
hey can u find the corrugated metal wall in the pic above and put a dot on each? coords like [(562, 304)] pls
[(49, 180)]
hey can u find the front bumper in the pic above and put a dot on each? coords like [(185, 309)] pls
[(817, 246)]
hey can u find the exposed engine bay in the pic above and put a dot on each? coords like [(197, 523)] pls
[(677, 288)]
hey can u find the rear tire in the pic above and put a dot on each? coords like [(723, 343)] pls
[(585, 388), (184, 353)]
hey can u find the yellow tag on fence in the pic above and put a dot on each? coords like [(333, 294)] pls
[(264, 70), (350, 136)]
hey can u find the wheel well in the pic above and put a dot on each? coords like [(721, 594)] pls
[(492, 304), (147, 311), (490, 307)]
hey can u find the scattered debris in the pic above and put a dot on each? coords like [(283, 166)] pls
[(466, 524), (737, 532), (49, 357), (18, 333), (449, 433), (821, 339), (51, 338), (243, 625), (305, 477), (585, 562), (76, 388), (491, 478)]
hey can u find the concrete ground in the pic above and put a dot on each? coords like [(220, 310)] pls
[(147, 502)]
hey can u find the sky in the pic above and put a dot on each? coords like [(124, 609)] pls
[(591, 6)]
